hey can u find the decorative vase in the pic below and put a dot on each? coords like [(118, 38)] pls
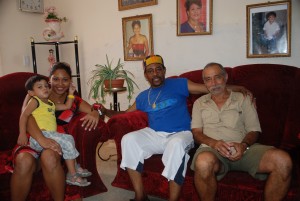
[(53, 32), (118, 83)]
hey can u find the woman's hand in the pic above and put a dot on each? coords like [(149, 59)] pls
[(22, 139), (72, 88), (90, 121), (48, 143)]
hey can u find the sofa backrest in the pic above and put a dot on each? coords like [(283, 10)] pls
[(12, 94), (276, 88)]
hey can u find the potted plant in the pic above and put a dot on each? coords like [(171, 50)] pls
[(53, 31), (107, 74)]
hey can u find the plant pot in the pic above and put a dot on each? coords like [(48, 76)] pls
[(118, 83)]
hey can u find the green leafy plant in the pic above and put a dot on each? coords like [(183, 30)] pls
[(108, 72), (50, 14)]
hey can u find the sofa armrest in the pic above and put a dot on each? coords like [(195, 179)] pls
[(121, 124), (86, 143)]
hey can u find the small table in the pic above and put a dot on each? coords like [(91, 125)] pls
[(115, 93)]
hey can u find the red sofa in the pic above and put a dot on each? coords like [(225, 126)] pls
[(277, 91), (12, 93)]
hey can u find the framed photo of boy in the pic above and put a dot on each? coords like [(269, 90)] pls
[(130, 4), (194, 17), (137, 37), (269, 29)]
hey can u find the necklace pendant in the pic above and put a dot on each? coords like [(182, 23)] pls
[(153, 105)]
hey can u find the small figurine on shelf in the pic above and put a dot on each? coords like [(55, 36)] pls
[(53, 32), (51, 58)]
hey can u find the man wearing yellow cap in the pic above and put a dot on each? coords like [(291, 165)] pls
[(169, 130)]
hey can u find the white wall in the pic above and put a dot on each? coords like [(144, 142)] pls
[(98, 25)]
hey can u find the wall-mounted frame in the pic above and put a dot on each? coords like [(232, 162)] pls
[(194, 17), (137, 37), (269, 29), (130, 4)]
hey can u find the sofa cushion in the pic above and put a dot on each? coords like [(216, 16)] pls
[(271, 85)]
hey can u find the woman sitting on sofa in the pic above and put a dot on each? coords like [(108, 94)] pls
[(25, 163)]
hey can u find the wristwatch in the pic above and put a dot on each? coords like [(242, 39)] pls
[(247, 146)]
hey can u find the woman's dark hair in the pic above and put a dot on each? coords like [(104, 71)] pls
[(270, 13), (188, 4), (136, 22), (63, 66)]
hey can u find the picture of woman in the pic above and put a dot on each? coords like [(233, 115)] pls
[(194, 17), (193, 12), (138, 45)]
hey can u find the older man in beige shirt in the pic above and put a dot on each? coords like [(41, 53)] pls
[(226, 126)]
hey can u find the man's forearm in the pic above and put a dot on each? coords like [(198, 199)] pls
[(111, 113), (250, 138)]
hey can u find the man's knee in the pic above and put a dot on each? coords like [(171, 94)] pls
[(280, 161), (206, 162), (283, 162)]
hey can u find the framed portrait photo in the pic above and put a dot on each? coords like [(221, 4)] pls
[(130, 4), (137, 37), (194, 17), (269, 29)]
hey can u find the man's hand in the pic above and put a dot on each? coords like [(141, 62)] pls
[(239, 148), (223, 148)]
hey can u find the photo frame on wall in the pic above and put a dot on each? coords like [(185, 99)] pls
[(131, 4), (137, 37), (194, 17), (269, 29)]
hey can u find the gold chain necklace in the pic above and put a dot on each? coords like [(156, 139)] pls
[(154, 103)]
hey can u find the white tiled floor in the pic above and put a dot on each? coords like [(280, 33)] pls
[(107, 171)]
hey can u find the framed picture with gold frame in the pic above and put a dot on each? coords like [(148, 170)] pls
[(194, 17), (269, 29), (130, 4), (137, 37)]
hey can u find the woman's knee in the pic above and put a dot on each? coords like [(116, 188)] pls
[(25, 163), (50, 159)]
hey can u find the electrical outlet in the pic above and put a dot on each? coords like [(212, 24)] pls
[(26, 60)]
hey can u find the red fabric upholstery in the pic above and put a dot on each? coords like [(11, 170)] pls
[(276, 88), (12, 94)]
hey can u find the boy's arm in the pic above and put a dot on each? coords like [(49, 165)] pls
[(69, 101), (26, 100), (27, 110)]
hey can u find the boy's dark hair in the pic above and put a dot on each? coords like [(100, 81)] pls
[(269, 14), (32, 80)]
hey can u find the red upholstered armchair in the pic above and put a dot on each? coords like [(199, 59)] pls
[(12, 93)]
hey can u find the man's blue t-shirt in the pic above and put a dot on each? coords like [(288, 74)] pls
[(171, 113)]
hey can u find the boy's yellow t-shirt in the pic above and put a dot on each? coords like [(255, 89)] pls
[(44, 115)]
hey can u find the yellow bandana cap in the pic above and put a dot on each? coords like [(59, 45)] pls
[(152, 59)]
